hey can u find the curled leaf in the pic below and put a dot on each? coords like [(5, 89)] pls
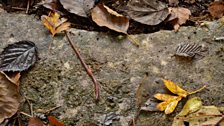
[(178, 16), (54, 24), (175, 88), (104, 16)]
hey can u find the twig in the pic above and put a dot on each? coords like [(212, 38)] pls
[(23, 113), (28, 6), (88, 69)]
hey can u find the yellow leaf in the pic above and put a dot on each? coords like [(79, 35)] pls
[(162, 106), (175, 88), (191, 106), (172, 105), (165, 97), (54, 23)]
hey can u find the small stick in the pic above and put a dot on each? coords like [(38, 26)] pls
[(23, 113), (88, 69), (28, 6)]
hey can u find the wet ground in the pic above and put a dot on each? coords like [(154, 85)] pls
[(58, 79)]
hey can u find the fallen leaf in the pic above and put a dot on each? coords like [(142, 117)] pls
[(18, 56), (205, 116), (191, 106), (78, 7), (188, 50), (178, 16), (150, 12), (54, 122), (9, 98), (171, 106), (165, 97), (13, 77), (54, 23), (104, 16), (53, 5), (216, 9), (34, 121), (175, 88)]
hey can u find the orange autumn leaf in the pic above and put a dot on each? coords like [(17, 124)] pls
[(54, 23), (175, 88), (54, 122)]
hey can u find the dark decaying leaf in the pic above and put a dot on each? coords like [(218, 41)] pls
[(188, 50), (9, 98), (78, 7), (18, 56), (104, 16), (150, 12)]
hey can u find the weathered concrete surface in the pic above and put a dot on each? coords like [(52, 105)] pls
[(58, 79)]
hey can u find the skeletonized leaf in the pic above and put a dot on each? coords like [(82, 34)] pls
[(18, 56), (188, 50), (104, 16), (78, 7), (178, 16), (54, 24), (175, 88), (9, 98), (34, 121), (191, 106), (150, 12)]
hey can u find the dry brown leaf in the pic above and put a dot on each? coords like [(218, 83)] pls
[(178, 16), (216, 9), (14, 78), (34, 121), (9, 98), (104, 16), (78, 7), (150, 12), (54, 24)]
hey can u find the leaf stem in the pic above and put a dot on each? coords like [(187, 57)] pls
[(193, 92), (88, 69)]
